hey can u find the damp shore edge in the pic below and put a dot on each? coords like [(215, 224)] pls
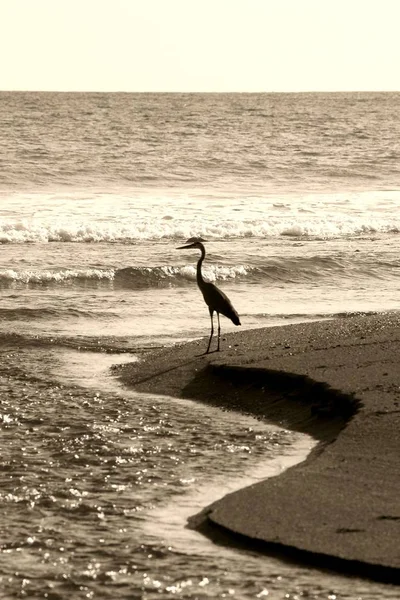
[(338, 380)]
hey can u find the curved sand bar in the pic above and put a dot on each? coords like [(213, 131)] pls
[(338, 380)]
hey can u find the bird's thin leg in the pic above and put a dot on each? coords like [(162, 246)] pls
[(212, 331), (219, 331)]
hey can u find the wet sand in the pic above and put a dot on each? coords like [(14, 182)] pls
[(337, 380)]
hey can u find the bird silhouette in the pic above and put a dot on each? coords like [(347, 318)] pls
[(215, 299)]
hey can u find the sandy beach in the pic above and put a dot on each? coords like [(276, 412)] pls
[(337, 380)]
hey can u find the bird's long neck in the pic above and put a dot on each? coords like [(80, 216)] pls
[(199, 274)]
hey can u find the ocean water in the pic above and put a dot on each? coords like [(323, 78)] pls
[(298, 197)]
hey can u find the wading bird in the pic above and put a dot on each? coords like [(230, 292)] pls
[(215, 299)]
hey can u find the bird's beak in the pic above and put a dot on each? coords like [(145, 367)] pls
[(183, 247), (192, 243)]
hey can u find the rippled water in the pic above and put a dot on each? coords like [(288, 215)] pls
[(98, 481)]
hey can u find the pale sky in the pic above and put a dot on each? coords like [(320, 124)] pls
[(200, 45)]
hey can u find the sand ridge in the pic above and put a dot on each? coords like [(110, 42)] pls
[(338, 380)]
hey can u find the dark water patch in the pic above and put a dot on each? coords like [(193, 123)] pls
[(26, 314), (106, 345), (315, 268)]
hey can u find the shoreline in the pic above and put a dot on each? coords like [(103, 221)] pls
[(337, 380)]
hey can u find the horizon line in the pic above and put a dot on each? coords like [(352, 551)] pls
[(88, 91)]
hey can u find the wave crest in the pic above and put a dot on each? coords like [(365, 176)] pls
[(164, 276), (9, 276), (128, 277), (275, 270), (153, 229)]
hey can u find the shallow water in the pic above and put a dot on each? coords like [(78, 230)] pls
[(98, 481)]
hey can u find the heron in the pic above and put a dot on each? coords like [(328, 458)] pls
[(215, 299)]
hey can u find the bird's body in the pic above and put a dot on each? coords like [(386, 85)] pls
[(215, 299)]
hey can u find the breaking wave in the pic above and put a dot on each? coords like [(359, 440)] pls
[(129, 277), (143, 277), (274, 270), (297, 225), (10, 276)]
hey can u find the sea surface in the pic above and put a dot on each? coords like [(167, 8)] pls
[(298, 197)]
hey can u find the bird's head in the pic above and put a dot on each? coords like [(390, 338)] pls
[(193, 242)]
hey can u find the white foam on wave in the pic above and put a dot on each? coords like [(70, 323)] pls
[(152, 230), (62, 276), (340, 228), (216, 272), (211, 273), (113, 218)]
